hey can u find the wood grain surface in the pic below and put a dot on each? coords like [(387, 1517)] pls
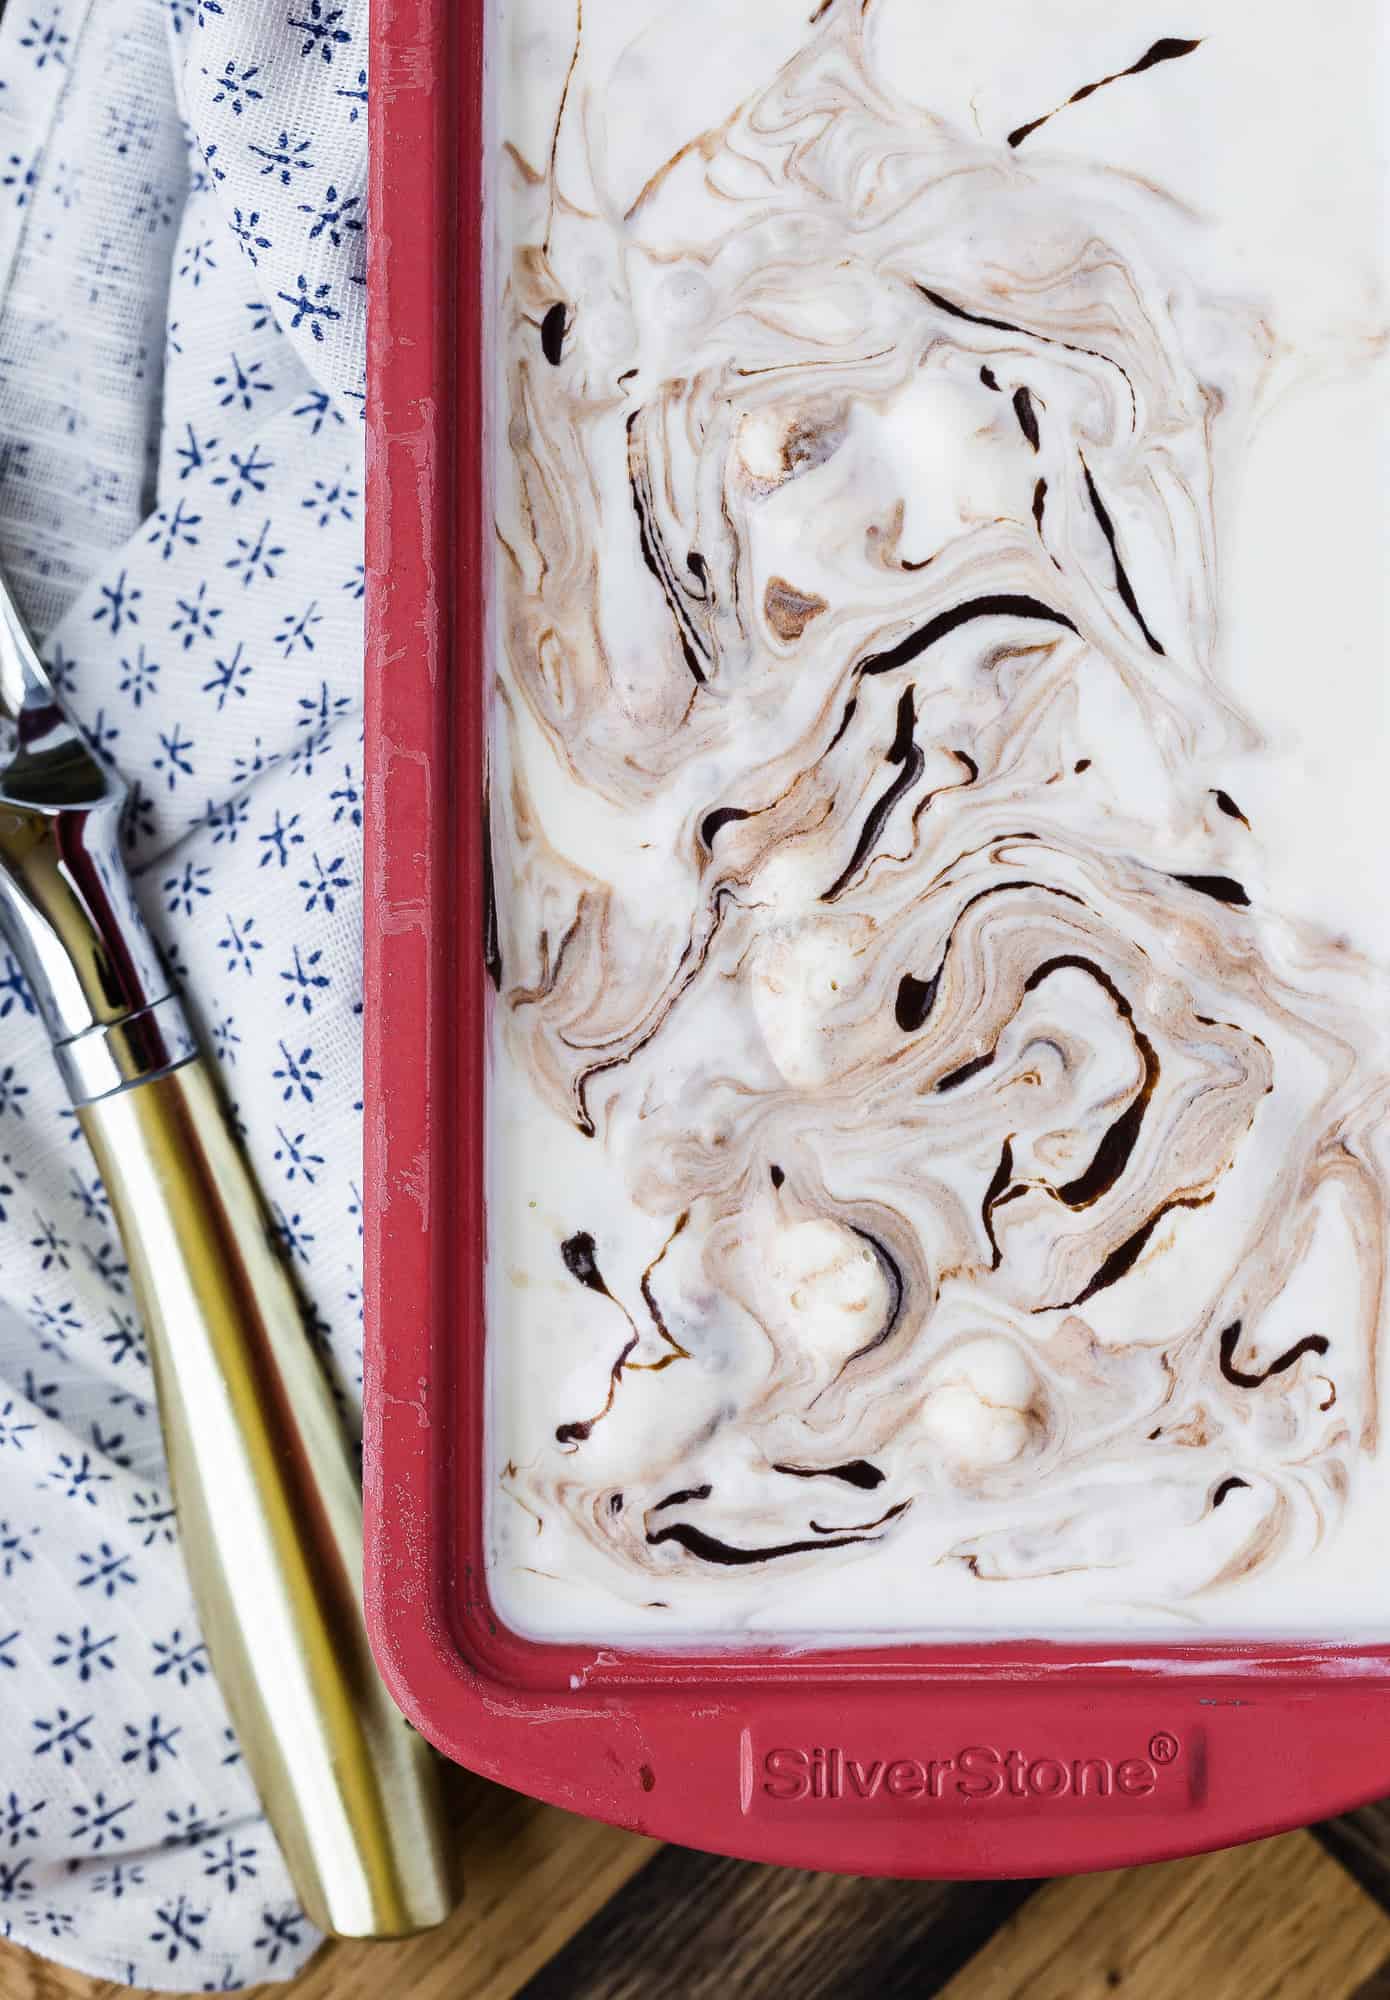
[(1361, 1842), (560, 1908), (1277, 1918), (703, 1928)]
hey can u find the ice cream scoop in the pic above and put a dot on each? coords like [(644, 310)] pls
[(262, 1476)]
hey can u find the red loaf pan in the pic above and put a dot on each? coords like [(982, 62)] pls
[(992, 1759)]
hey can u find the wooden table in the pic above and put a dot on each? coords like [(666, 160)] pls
[(559, 1908)]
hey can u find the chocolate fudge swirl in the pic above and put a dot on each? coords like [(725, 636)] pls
[(869, 896)]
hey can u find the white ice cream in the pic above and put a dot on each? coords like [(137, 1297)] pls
[(938, 1139)]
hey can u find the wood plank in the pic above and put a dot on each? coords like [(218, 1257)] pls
[(1360, 1840), (701, 1927), (1279, 1920), (534, 1875)]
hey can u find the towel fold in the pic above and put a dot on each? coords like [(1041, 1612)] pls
[(182, 258)]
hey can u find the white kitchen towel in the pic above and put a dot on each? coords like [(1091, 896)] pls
[(182, 230)]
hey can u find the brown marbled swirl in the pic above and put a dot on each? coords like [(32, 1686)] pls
[(869, 891)]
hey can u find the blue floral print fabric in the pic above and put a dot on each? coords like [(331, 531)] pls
[(182, 306)]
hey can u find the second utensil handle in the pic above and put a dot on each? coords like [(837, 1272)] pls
[(269, 1513)]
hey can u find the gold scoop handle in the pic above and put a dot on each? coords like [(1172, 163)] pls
[(270, 1514)]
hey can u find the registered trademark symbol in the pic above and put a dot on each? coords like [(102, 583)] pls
[(1164, 1747)]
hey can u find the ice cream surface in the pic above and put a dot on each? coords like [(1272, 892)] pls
[(937, 1133)]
